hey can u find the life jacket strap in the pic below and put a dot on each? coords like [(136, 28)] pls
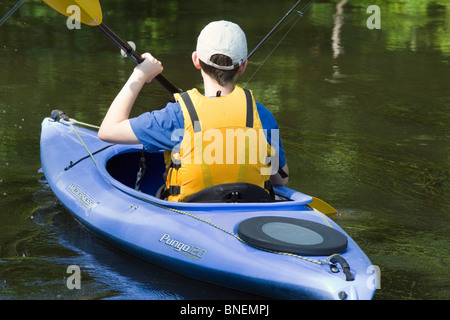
[(192, 112), (269, 187), (194, 116), (248, 96), (282, 173), (171, 191)]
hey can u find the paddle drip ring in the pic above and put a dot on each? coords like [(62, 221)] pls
[(130, 52)]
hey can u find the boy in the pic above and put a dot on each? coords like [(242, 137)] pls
[(225, 110)]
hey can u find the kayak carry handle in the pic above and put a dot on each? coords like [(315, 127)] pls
[(345, 267)]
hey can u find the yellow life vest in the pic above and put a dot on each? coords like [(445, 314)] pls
[(223, 142)]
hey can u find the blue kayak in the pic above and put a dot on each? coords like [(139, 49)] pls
[(281, 249)]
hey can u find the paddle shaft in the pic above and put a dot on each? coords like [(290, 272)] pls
[(136, 57)]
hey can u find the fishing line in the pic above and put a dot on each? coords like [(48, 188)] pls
[(10, 12), (307, 6)]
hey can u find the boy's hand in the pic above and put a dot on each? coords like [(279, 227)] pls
[(149, 68)]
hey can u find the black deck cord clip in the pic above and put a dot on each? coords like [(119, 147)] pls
[(345, 267), (55, 114)]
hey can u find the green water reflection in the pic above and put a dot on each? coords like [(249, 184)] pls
[(364, 115)]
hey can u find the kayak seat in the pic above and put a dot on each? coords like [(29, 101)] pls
[(231, 192)]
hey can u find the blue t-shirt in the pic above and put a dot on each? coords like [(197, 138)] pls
[(154, 129)]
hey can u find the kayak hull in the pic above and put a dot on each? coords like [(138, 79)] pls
[(95, 181)]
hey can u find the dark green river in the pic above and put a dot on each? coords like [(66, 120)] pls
[(364, 117)]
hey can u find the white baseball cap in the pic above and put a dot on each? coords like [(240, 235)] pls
[(222, 37)]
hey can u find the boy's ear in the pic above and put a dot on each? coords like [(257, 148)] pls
[(242, 67), (196, 60)]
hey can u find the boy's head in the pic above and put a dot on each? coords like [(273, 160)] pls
[(222, 50)]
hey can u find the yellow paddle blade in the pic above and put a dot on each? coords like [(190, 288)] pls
[(322, 206), (85, 11)]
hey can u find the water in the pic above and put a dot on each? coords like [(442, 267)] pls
[(364, 115)]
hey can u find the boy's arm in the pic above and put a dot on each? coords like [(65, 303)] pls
[(116, 125)]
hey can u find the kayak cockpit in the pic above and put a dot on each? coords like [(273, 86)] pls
[(120, 166), (143, 171)]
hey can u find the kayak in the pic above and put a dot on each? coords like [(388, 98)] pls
[(280, 249)]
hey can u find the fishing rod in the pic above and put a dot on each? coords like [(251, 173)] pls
[(277, 25), (271, 32), (10, 12)]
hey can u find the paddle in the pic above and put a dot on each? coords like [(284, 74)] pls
[(91, 15), (322, 206)]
